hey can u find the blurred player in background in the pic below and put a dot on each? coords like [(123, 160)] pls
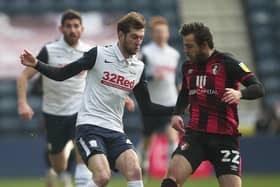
[(211, 87), (61, 100), (161, 61), (52, 178), (113, 72)]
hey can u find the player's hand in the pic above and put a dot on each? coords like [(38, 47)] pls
[(25, 111), (27, 59), (177, 123), (231, 96), (129, 104)]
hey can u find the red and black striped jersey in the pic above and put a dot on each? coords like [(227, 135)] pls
[(205, 84)]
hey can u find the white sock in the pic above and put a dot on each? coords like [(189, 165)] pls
[(135, 183), (83, 176), (66, 179), (51, 177), (90, 184)]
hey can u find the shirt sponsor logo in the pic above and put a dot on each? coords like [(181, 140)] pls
[(203, 91), (117, 81)]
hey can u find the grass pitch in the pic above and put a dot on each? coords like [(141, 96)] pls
[(248, 181)]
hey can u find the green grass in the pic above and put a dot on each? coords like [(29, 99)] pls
[(248, 181)]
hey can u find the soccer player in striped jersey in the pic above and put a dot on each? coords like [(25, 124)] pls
[(113, 72), (211, 88)]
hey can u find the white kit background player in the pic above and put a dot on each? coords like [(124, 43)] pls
[(61, 100)]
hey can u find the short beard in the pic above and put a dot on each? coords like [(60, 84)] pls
[(200, 58), (127, 49)]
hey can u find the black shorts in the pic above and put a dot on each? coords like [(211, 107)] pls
[(93, 140), (152, 124), (222, 151), (59, 129)]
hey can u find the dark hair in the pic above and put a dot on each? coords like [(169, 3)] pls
[(201, 33), (131, 20), (70, 14), (157, 20)]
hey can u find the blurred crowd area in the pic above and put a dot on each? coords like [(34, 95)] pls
[(249, 29)]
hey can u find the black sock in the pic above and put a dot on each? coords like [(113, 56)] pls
[(168, 183)]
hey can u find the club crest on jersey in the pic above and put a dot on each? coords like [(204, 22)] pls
[(117, 81), (190, 71), (215, 69), (184, 145)]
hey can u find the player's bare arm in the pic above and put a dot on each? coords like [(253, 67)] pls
[(129, 104), (24, 110)]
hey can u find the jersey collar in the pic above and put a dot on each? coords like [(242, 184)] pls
[(79, 46), (120, 56), (118, 53)]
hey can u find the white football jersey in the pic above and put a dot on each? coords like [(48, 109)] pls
[(108, 84), (63, 97), (162, 59)]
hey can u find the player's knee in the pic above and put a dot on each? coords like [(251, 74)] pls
[(101, 179), (168, 182), (134, 173), (59, 167)]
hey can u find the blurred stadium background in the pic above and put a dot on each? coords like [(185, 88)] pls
[(250, 29)]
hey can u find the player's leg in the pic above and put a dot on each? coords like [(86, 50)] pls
[(99, 166), (57, 137), (149, 127), (186, 159), (229, 181), (66, 176), (91, 146), (128, 165), (123, 158), (173, 139), (51, 176), (225, 156), (178, 171), (83, 175)]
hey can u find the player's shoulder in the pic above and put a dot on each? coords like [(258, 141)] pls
[(84, 46), (227, 57), (53, 43), (105, 50), (173, 51)]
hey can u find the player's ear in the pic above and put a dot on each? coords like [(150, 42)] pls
[(120, 35), (83, 28), (204, 45)]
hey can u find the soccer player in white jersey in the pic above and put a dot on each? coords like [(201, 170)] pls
[(61, 100), (113, 72), (161, 61)]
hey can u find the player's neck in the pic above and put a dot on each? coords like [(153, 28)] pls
[(161, 44), (73, 45), (123, 51), (210, 52)]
